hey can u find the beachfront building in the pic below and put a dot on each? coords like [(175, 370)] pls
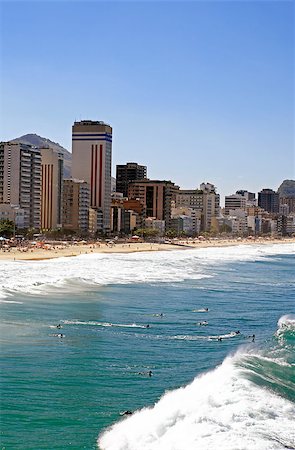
[(235, 201), (268, 200), (126, 173), (205, 201), (20, 180), (154, 224), (91, 162), (52, 186), (156, 196), (13, 213), (76, 205)]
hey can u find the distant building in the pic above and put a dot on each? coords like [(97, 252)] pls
[(268, 200), (155, 224), (289, 202), (91, 162), (20, 180), (13, 213), (52, 187), (76, 203), (249, 196), (235, 201), (126, 173), (204, 200), (156, 196)]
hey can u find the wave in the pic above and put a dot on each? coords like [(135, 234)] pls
[(245, 403), (81, 272), (102, 324), (11, 301), (189, 337)]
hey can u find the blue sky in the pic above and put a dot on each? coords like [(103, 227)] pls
[(197, 91)]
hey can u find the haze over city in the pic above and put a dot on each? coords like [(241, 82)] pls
[(197, 91)]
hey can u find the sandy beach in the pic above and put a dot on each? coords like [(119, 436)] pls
[(70, 250)]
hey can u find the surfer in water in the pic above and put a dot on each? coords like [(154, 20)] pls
[(126, 413)]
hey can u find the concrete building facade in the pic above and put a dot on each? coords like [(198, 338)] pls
[(126, 173), (268, 200), (20, 180), (204, 200), (52, 187), (76, 202), (13, 213), (235, 201), (156, 196), (91, 162)]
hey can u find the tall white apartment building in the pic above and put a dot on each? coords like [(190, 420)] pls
[(91, 162), (20, 180)]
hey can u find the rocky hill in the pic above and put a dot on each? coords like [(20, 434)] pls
[(287, 188), (38, 141)]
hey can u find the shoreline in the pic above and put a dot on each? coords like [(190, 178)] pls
[(72, 250)]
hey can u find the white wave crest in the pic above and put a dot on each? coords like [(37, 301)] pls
[(36, 277), (287, 321), (102, 324), (219, 409)]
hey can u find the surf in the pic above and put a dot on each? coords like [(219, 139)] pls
[(245, 403)]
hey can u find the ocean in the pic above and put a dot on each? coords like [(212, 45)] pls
[(137, 337)]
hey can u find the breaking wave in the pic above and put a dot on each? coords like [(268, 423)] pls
[(89, 271), (245, 403)]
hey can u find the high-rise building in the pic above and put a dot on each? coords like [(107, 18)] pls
[(20, 180), (235, 201), (52, 186), (268, 200), (126, 173), (91, 162), (204, 200), (156, 196), (76, 200), (250, 196)]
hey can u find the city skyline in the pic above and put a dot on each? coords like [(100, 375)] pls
[(195, 91)]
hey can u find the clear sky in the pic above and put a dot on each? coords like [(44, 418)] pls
[(197, 91)]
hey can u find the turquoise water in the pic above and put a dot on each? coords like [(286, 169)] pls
[(62, 393)]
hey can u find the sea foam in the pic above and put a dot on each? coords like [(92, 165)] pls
[(219, 409), (86, 271)]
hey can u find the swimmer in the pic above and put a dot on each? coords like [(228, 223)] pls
[(219, 339), (126, 413), (58, 326), (147, 326), (60, 335), (237, 332), (150, 373)]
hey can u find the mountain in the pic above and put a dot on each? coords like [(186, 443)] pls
[(38, 141), (287, 188)]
